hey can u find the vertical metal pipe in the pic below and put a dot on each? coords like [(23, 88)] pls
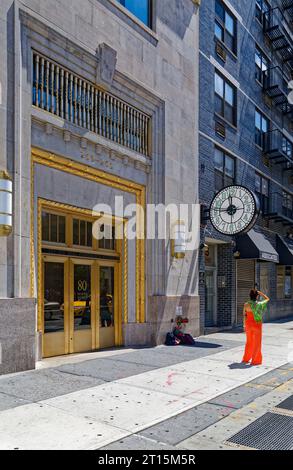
[(42, 82), (47, 84), (58, 91), (52, 88), (75, 110), (99, 111), (92, 106), (96, 110), (66, 95), (62, 94), (84, 105), (79, 102), (37, 72)]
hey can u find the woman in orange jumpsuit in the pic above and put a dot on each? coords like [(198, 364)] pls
[(253, 314)]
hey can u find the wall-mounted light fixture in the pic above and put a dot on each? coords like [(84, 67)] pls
[(237, 254), (5, 204), (179, 240)]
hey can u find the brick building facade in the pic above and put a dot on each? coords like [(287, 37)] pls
[(246, 64)]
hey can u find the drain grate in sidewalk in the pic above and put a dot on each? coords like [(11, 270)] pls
[(270, 432), (286, 404)]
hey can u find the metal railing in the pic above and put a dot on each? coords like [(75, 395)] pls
[(275, 77), (277, 28), (65, 94), (287, 6), (278, 145), (280, 206)]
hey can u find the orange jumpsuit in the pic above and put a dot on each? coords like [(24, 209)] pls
[(253, 331)]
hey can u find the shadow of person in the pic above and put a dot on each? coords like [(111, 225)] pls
[(240, 365)]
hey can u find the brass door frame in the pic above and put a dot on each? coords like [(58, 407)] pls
[(69, 332), (65, 262), (117, 300), (47, 159)]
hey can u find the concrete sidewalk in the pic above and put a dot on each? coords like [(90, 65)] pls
[(92, 401)]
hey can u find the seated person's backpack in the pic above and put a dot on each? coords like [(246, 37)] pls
[(171, 340)]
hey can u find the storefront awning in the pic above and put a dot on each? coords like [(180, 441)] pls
[(285, 251), (254, 245)]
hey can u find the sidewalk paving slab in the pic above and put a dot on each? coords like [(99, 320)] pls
[(39, 385)]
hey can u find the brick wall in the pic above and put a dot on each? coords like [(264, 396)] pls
[(239, 142)]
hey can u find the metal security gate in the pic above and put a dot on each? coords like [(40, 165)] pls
[(245, 282)]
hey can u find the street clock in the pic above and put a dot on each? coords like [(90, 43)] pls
[(234, 210)]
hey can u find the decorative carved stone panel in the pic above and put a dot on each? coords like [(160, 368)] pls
[(106, 65)]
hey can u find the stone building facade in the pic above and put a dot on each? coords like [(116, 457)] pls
[(246, 138), (96, 101)]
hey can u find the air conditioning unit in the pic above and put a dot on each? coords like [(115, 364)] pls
[(220, 51), (220, 129)]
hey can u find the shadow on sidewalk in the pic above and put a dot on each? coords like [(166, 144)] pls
[(240, 365)]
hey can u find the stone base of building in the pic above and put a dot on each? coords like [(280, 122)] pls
[(17, 335), (163, 310)]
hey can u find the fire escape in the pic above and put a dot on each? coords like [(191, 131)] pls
[(278, 145)]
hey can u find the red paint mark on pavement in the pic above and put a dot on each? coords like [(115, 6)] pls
[(170, 378)]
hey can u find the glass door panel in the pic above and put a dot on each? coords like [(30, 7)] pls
[(82, 297), (54, 308), (107, 306), (81, 307)]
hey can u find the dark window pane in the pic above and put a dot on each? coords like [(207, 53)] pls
[(220, 12), (106, 297), (230, 24), (54, 228), (82, 297), (218, 105), (54, 297), (45, 227), (229, 41), (82, 224), (229, 113), (229, 167), (219, 85), (76, 232), (219, 160), (61, 229), (257, 120), (229, 94), (89, 234), (219, 32)]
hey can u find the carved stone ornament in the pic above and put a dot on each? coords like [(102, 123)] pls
[(106, 66)]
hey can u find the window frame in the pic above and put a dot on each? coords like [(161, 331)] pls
[(224, 102), (150, 7), (264, 197), (221, 174), (59, 215), (262, 56), (259, 8), (259, 132), (87, 221), (222, 25), (287, 204)]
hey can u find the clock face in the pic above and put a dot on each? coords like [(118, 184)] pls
[(234, 210)]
